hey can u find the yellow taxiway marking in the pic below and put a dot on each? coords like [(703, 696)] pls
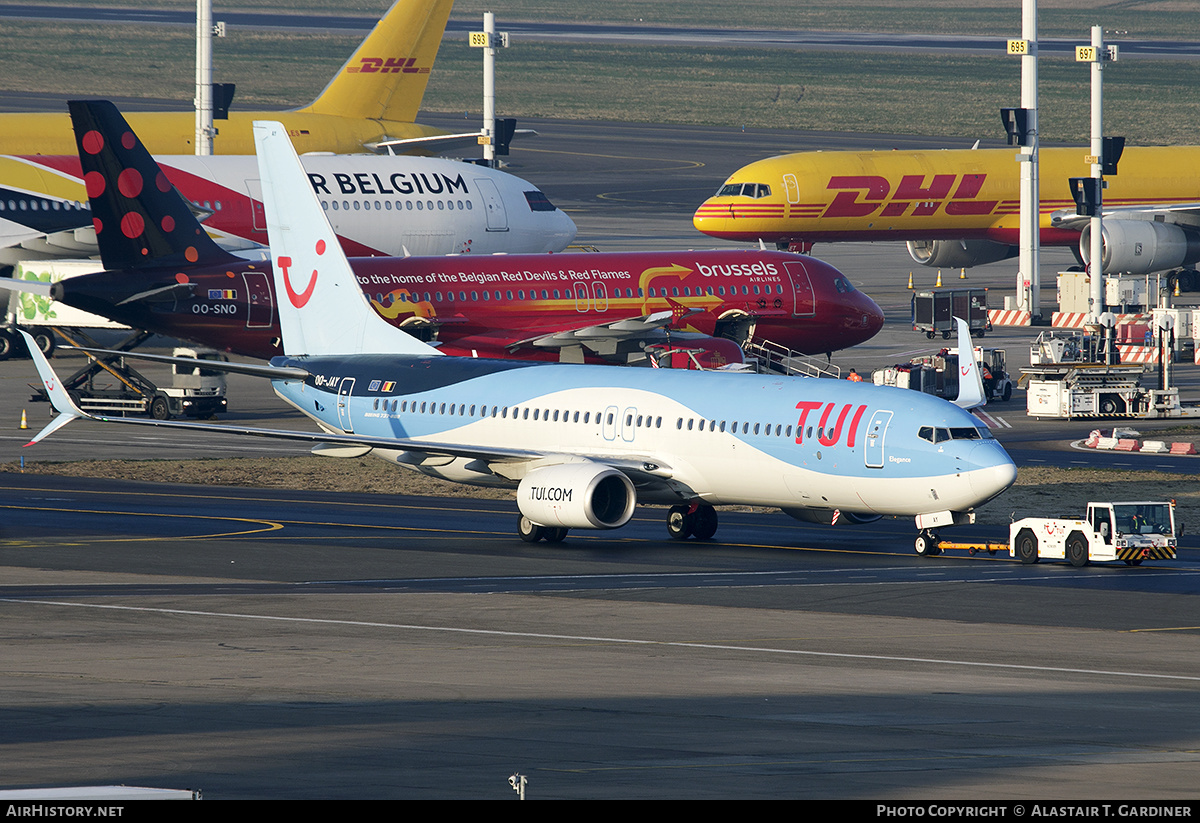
[(260, 525)]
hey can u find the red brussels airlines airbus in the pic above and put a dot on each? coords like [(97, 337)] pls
[(566, 307)]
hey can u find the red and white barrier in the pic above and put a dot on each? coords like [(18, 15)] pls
[(1008, 317), (1067, 319), (1075, 319), (1138, 354), (1096, 439)]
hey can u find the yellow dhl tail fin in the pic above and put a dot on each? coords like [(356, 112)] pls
[(386, 77)]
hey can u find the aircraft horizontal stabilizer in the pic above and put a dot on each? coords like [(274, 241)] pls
[(252, 369), (436, 142), (30, 286)]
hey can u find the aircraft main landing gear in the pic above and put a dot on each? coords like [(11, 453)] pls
[(531, 532), (697, 520)]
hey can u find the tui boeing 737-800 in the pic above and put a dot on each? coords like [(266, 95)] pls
[(582, 445)]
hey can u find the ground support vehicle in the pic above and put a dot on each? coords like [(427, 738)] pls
[(937, 374), (933, 312), (1130, 532), (121, 388), (1070, 390), (194, 391)]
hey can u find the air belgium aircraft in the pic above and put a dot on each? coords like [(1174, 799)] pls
[(582, 445), (959, 208), (372, 101)]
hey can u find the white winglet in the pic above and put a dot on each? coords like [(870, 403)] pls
[(322, 308), (970, 381), (63, 404)]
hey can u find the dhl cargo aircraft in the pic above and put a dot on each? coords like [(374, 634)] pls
[(583, 445), (371, 102), (378, 204), (959, 208), (571, 307)]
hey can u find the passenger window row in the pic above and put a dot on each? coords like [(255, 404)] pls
[(567, 416), (36, 203), (765, 429), (401, 205), (559, 294)]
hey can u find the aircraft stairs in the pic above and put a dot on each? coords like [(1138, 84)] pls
[(129, 393), (772, 358)]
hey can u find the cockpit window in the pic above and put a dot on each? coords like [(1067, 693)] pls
[(538, 201), (745, 190), (843, 285), (941, 435)]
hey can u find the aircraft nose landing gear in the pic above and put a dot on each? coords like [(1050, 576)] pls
[(926, 544)]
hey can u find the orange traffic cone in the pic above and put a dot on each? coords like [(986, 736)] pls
[(24, 422), (938, 284), (963, 276), (910, 285)]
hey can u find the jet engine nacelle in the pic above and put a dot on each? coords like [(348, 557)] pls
[(959, 254), (1142, 246), (577, 496), (828, 517)]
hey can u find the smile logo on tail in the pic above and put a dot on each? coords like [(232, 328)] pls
[(299, 300)]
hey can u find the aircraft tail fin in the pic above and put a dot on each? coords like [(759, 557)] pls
[(970, 380), (385, 78), (322, 308), (140, 218), (63, 404)]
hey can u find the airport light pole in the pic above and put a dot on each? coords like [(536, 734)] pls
[(204, 101), (1097, 54), (487, 40), (1028, 275)]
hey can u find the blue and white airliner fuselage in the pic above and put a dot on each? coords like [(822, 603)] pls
[(804, 445)]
